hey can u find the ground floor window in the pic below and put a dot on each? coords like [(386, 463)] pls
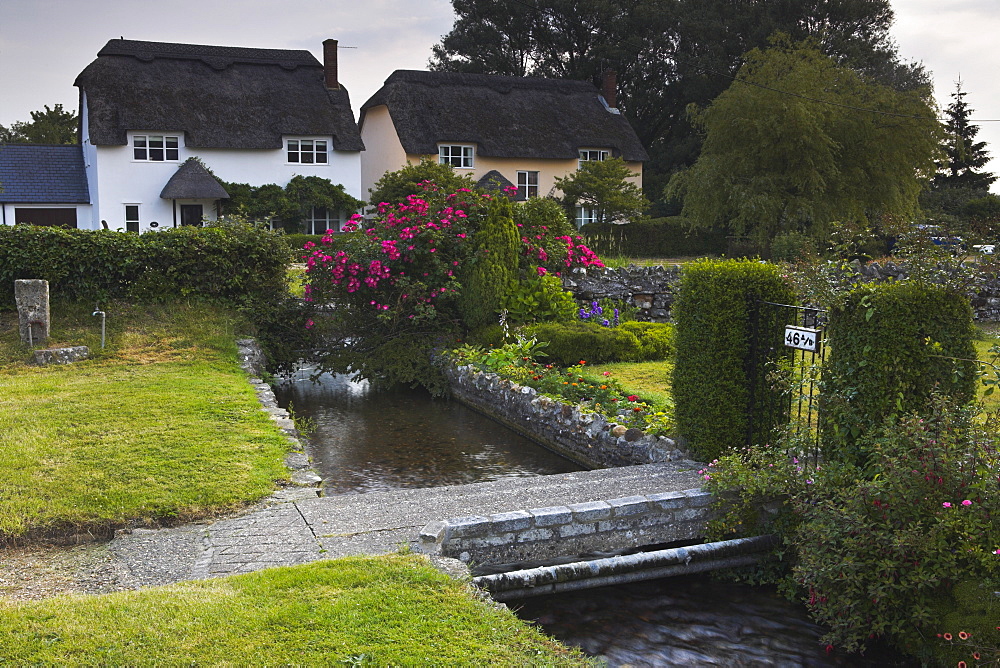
[(131, 217), (321, 219), (62, 217), (585, 215)]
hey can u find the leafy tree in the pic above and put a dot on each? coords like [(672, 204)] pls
[(395, 187), (668, 53), (603, 186), (51, 126), (965, 157), (778, 162), (290, 204)]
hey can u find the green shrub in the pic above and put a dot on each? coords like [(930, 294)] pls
[(539, 299), (792, 247), (395, 187), (712, 316), (892, 344), (570, 342), (297, 241), (654, 237), (492, 272), (234, 262), (656, 339)]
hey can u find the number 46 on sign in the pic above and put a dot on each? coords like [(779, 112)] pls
[(803, 338)]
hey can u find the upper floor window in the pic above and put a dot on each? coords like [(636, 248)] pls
[(527, 185), (156, 148), (589, 154), (308, 151), (456, 155)]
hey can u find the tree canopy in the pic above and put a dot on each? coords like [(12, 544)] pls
[(51, 126), (798, 142), (668, 53), (602, 186)]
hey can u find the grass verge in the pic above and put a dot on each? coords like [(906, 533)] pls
[(650, 381), (393, 610), (161, 425)]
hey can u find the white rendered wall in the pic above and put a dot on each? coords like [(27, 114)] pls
[(120, 180)]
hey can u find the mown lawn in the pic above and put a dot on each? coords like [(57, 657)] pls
[(650, 381), (370, 611), (161, 425)]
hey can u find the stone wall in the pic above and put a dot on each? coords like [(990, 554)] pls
[(546, 533), (653, 289), (587, 438), (650, 289)]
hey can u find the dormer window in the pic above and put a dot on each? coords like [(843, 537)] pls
[(156, 148), (308, 151), (459, 156), (588, 154)]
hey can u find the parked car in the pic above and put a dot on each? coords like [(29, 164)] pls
[(985, 249)]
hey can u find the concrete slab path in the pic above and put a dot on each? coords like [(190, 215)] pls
[(295, 526)]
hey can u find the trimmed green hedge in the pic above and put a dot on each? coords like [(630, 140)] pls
[(233, 263), (713, 318), (570, 342), (889, 347), (654, 237)]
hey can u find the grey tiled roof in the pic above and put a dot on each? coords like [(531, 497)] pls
[(42, 174)]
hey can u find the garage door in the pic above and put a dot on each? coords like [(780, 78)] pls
[(48, 217)]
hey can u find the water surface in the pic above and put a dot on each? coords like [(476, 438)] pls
[(367, 440)]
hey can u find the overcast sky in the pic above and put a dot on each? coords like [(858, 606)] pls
[(44, 44)]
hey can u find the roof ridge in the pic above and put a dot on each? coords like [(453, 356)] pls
[(221, 55)]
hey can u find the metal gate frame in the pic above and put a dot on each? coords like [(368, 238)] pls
[(795, 408)]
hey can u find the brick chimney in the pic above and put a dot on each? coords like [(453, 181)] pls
[(330, 63), (609, 88)]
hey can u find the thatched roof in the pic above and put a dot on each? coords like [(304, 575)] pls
[(193, 181), (218, 96), (506, 117), (40, 174)]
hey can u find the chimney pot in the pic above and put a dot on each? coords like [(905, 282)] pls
[(609, 88), (330, 63)]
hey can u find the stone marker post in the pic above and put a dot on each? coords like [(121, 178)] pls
[(32, 298)]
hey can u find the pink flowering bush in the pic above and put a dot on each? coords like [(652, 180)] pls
[(405, 265), (876, 551)]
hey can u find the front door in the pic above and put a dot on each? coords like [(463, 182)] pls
[(191, 214)]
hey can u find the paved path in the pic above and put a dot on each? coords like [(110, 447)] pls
[(295, 526)]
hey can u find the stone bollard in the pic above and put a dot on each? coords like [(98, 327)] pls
[(32, 298)]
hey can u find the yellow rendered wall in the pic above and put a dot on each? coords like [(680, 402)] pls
[(383, 150)]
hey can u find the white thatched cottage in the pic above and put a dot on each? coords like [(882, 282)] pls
[(252, 116)]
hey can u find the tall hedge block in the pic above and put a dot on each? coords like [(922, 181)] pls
[(713, 316), (891, 345), (235, 263)]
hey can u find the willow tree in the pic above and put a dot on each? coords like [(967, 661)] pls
[(797, 142)]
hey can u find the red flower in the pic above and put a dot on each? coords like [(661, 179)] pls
[(947, 636), (963, 635), (632, 397)]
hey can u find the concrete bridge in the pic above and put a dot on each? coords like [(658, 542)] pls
[(513, 519)]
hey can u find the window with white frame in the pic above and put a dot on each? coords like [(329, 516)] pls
[(156, 148), (131, 217), (585, 215), (588, 154), (527, 185), (456, 155), (321, 219), (308, 151)]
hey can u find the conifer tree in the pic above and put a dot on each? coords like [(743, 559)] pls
[(494, 270), (965, 156)]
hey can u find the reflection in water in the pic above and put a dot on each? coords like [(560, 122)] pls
[(687, 621), (367, 441)]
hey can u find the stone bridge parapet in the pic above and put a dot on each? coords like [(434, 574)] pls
[(542, 534)]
